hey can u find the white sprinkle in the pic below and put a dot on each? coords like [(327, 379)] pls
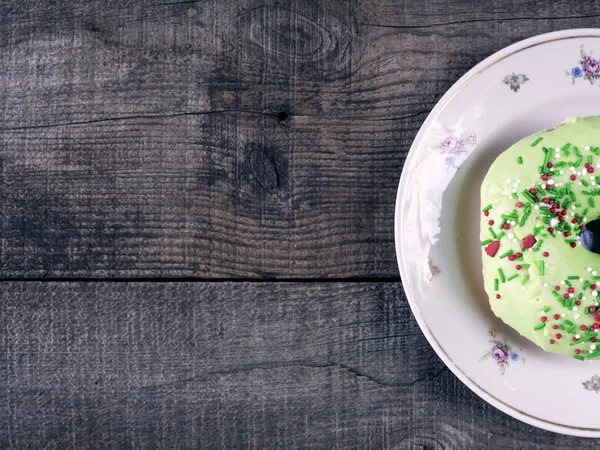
[(508, 180), (515, 185), (514, 240), (529, 249), (582, 298), (578, 173), (562, 282), (536, 207), (589, 269), (559, 184), (543, 186), (557, 155), (573, 206), (581, 279), (554, 221), (562, 315), (579, 183), (545, 284), (593, 346), (518, 181), (561, 172), (594, 293), (597, 165), (514, 191), (512, 222), (592, 177), (586, 148), (595, 303), (594, 272), (572, 169), (571, 295), (510, 235), (577, 336), (523, 287), (557, 149), (576, 316), (551, 182), (593, 183), (585, 219)]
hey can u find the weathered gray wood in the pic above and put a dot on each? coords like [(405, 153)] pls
[(233, 365)]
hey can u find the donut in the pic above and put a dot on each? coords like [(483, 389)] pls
[(539, 203)]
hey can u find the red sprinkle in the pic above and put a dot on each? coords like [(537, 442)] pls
[(573, 244), (563, 212), (571, 290), (544, 318), (533, 191), (575, 339), (550, 165), (566, 296), (593, 287), (557, 288), (486, 213), (554, 327), (497, 295), (491, 222), (529, 241), (506, 226), (597, 319), (556, 317), (550, 230), (578, 303), (573, 177), (492, 249), (575, 220), (518, 254), (583, 328), (590, 170), (587, 165), (577, 351), (592, 339), (519, 204), (592, 309), (546, 200), (566, 234), (581, 227), (545, 177), (511, 257), (558, 335), (551, 341), (518, 267), (546, 254)]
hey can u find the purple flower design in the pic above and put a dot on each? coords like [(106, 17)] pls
[(451, 145), (590, 67), (500, 352)]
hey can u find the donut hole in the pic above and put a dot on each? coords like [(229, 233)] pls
[(590, 236)]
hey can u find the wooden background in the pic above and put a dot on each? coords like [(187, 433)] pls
[(196, 222)]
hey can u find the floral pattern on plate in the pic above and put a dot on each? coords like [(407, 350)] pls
[(588, 68), (593, 384), (455, 144), (500, 352)]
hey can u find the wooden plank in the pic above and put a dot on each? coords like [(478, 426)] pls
[(233, 365)]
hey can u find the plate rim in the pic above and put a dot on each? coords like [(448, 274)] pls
[(398, 227)]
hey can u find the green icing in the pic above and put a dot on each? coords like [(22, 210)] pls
[(524, 299)]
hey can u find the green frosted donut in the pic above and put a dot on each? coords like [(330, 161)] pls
[(536, 199)]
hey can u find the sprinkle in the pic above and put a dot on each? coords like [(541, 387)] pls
[(542, 268), (524, 280), (520, 160), (586, 148), (538, 140), (487, 208), (546, 309), (586, 285), (510, 252), (492, 232), (486, 242), (496, 284), (512, 277), (539, 326), (580, 358), (573, 277)]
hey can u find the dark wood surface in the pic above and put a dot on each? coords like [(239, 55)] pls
[(196, 222)]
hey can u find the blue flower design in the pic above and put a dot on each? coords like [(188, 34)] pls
[(449, 160), (514, 356), (576, 72)]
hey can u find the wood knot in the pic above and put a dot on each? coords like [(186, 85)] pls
[(263, 168), (420, 443)]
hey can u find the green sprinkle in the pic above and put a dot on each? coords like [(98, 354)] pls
[(568, 322), (592, 355), (596, 278), (597, 179), (585, 211), (537, 230), (504, 255), (568, 283), (566, 146), (589, 159), (486, 242), (515, 196), (528, 195), (540, 169), (585, 192), (524, 218), (525, 266), (572, 195), (568, 241), (561, 326), (542, 268), (580, 296), (579, 357), (539, 326), (490, 229), (591, 202), (572, 327), (512, 277), (573, 277), (546, 309), (496, 284), (502, 277), (556, 294), (520, 160), (584, 339), (587, 310), (487, 208), (525, 280), (586, 285), (546, 158), (576, 151), (537, 141), (501, 235)]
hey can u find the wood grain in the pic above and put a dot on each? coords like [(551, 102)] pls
[(234, 365)]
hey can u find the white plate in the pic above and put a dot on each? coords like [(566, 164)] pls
[(526, 87)]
